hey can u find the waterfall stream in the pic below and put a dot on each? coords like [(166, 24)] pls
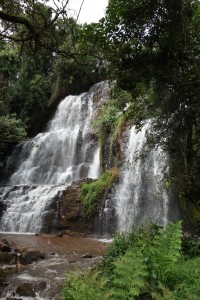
[(141, 195), (49, 162)]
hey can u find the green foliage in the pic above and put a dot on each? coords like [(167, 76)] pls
[(129, 275), (33, 25), (165, 250), (191, 246), (122, 242), (3, 273), (184, 279), (164, 294), (12, 131), (88, 285), (29, 96), (92, 193), (146, 264), (107, 116), (110, 124)]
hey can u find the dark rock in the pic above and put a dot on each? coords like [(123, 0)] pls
[(14, 299), (2, 207), (60, 234), (20, 249), (4, 241), (25, 289), (40, 286), (3, 283), (4, 247), (7, 257), (30, 256), (87, 255), (10, 298), (70, 212)]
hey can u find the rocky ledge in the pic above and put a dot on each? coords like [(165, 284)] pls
[(67, 212)]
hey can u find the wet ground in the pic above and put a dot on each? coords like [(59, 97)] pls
[(63, 254)]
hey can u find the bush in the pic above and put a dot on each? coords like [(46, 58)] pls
[(191, 247), (93, 192), (184, 279), (12, 130)]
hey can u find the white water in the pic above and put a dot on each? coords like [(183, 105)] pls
[(48, 163), (141, 195)]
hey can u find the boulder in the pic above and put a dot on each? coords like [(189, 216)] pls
[(8, 257), (40, 286), (30, 256), (4, 241), (5, 247), (25, 289)]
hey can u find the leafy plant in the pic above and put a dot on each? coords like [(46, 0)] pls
[(88, 285), (166, 250), (130, 273), (184, 279), (93, 192), (12, 130), (191, 246)]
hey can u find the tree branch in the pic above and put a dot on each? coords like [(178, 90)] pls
[(15, 19)]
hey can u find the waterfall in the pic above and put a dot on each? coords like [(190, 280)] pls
[(67, 151), (45, 165), (141, 196)]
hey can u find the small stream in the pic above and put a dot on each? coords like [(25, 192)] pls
[(47, 276)]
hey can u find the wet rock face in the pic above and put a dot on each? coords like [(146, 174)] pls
[(29, 289), (2, 208), (7, 257), (25, 289), (67, 212), (29, 256)]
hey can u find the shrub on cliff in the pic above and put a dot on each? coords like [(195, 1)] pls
[(92, 193)]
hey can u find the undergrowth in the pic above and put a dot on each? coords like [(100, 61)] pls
[(145, 264)]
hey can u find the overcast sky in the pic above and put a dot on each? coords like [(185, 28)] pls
[(92, 10)]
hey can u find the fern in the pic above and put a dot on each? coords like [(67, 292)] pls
[(130, 273), (87, 286), (165, 294), (166, 249)]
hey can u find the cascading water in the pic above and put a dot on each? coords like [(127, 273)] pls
[(141, 195), (64, 153)]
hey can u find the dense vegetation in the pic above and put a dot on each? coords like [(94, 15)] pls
[(148, 263)]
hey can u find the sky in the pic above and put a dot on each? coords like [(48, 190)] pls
[(92, 10)]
